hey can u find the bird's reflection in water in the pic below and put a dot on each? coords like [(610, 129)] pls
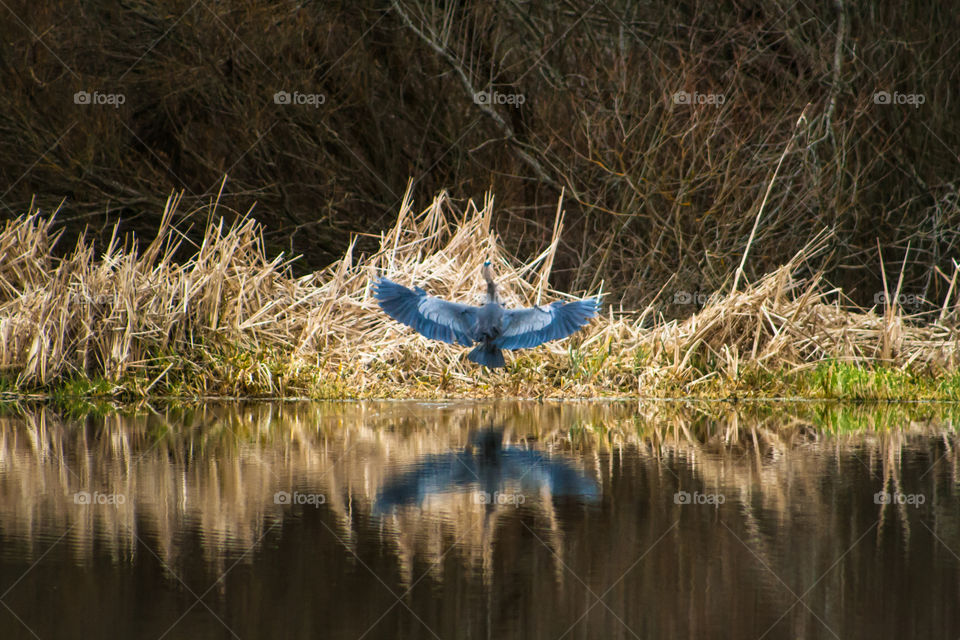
[(496, 474)]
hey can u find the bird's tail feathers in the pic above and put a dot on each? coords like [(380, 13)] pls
[(487, 355)]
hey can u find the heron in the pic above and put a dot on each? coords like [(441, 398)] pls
[(490, 324)]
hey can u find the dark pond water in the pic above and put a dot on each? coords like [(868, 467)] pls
[(480, 520)]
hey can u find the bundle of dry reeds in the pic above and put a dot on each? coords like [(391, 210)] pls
[(230, 320)]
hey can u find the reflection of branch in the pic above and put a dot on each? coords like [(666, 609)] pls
[(502, 124)]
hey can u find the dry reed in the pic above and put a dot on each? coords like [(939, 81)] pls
[(230, 320)]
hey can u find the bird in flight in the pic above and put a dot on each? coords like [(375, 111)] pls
[(490, 324)]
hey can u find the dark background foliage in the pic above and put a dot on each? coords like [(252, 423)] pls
[(659, 190)]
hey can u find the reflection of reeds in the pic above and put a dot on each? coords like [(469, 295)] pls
[(213, 471), (230, 320)]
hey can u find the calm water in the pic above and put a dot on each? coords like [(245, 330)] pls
[(472, 520)]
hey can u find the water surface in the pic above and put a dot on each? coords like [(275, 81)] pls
[(480, 520)]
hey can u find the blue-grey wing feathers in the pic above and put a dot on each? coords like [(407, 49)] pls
[(456, 323), (525, 328), (432, 317)]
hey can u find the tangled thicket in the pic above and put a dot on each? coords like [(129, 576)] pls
[(663, 123)]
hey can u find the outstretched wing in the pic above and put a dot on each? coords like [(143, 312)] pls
[(431, 317), (525, 328)]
